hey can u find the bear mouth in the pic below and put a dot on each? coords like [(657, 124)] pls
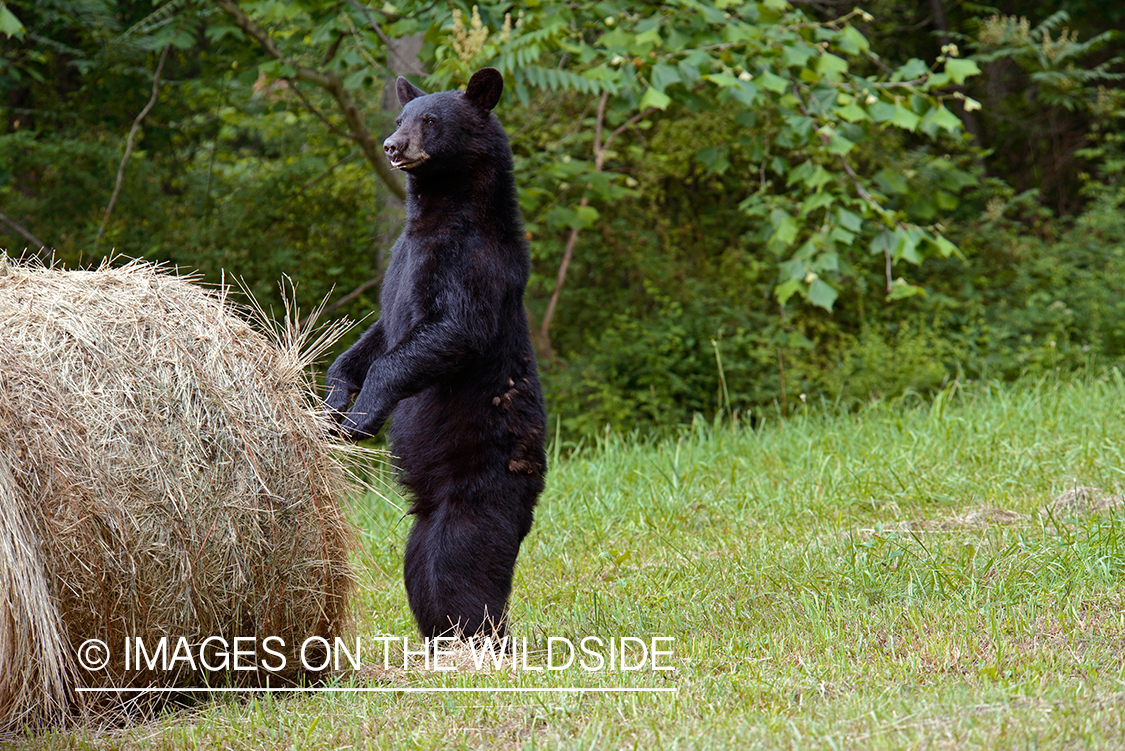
[(407, 164)]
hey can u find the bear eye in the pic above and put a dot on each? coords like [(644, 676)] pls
[(398, 121), (429, 120)]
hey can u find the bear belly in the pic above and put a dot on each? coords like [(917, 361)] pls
[(453, 446)]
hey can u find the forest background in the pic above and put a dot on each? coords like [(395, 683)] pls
[(731, 207)]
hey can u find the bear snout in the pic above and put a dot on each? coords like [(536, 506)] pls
[(392, 147), (403, 152)]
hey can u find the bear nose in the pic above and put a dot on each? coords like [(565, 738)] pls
[(391, 147)]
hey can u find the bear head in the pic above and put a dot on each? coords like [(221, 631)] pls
[(441, 132)]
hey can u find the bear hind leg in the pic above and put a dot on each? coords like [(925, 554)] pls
[(458, 567)]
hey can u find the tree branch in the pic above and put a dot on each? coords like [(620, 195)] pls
[(333, 48), (331, 83), (39, 245), (599, 123), (408, 64), (317, 113), (129, 144), (600, 151), (564, 265), (348, 297), (325, 174), (625, 126)]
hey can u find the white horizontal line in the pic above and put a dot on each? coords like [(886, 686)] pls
[(380, 690)]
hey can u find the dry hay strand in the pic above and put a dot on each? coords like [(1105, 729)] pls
[(1083, 501), (977, 518), (981, 518), (164, 471)]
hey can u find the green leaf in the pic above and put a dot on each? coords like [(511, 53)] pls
[(585, 216), (853, 42), (904, 118), (914, 68), (183, 41), (819, 178), (797, 340), (796, 55), (739, 33), (923, 209), (689, 73), (821, 294), (831, 67), (943, 118), (786, 290), (746, 92), (829, 261), (351, 82), (841, 235), (600, 73), (884, 243), (853, 113), (816, 201), (650, 37), (837, 144), (954, 179), (945, 247), (9, 24), (217, 32), (654, 98), (937, 80), (807, 250), (907, 249), (772, 81), (881, 111), (711, 13), (849, 220), (785, 232), (663, 76), (794, 268), (946, 201), (891, 181), (801, 173), (961, 68), (900, 289), (714, 158), (723, 80), (561, 216)]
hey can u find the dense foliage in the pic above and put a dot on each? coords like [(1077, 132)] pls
[(730, 204)]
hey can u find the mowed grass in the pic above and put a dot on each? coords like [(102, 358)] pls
[(885, 578)]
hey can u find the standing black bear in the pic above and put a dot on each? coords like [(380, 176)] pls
[(451, 357)]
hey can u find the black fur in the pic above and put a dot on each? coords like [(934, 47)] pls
[(451, 358)]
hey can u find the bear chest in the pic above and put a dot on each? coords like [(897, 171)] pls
[(414, 293)]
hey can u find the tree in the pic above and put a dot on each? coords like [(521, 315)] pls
[(775, 71)]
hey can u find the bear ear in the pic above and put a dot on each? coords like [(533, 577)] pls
[(407, 92), (485, 88)]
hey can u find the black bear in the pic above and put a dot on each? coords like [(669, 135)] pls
[(451, 358)]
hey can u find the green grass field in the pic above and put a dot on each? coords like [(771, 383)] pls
[(896, 577)]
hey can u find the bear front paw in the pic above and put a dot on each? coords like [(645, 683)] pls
[(360, 427), (339, 398)]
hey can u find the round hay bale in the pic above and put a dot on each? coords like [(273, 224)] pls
[(164, 471)]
